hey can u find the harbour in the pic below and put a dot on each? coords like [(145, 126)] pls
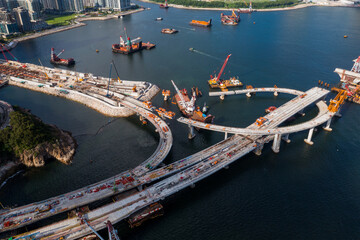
[(245, 166)]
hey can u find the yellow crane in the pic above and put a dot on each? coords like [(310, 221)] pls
[(337, 101)]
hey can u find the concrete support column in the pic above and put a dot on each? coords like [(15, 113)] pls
[(301, 112), (327, 127), (222, 97), (338, 114), (226, 135), (286, 138), (308, 140), (276, 144), (258, 150), (248, 94), (191, 132), (276, 93)]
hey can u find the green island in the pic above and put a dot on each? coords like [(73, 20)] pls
[(25, 133), (257, 4), (29, 142)]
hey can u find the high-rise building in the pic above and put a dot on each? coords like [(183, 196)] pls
[(11, 4), (5, 16), (8, 27), (22, 19), (119, 5)]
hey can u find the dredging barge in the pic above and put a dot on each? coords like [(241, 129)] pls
[(60, 61)]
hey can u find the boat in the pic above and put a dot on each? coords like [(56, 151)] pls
[(148, 45), (131, 46), (128, 47), (169, 30), (153, 211), (200, 23), (191, 49), (187, 107), (247, 10), (54, 59), (270, 109), (217, 82), (159, 19), (232, 19), (97, 50), (166, 6)]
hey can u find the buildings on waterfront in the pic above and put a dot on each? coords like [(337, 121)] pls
[(25, 15)]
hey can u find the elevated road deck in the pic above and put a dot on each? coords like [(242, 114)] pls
[(24, 215), (225, 153), (254, 90)]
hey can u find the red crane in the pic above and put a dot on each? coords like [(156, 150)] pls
[(356, 67), (223, 67)]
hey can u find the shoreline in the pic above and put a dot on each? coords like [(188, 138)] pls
[(299, 6), (78, 23)]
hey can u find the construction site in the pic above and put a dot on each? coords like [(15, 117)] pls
[(116, 97)]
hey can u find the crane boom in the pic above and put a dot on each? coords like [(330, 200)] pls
[(223, 67), (112, 232), (60, 53), (179, 93)]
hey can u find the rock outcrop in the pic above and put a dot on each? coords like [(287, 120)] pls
[(63, 150)]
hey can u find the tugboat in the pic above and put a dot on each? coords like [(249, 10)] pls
[(187, 107), (232, 19), (216, 82), (169, 30), (60, 61)]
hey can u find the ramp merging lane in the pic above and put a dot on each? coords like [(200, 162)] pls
[(217, 157)]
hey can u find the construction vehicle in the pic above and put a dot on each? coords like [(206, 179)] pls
[(217, 82)]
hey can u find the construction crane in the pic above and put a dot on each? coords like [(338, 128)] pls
[(117, 73), (337, 101), (107, 94), (356, 67), (55, 56), (222, 68), (47, 77), (188, 106), (83, 220), (112, 232)]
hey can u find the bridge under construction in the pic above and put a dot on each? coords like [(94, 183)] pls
[(186, 172)]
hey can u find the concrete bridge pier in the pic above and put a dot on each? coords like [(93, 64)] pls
[(259, 149), (191, 132), (308, 140), (338, 114), (226, 135), (301, 112), (276, 144), (286, 138), (327, 127), (248, 94), (222, 97), (276, 94)]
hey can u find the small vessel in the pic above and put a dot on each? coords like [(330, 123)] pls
[(216, 82), (205, 108), (159, 19), (187, 107), (345, 36), (200, 23), (153, 211), (232, 19), (191, 49), (169, 30), (131, 46), (97, 50), (60, 61), (270, 109), (164, 5), (247, 10)]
